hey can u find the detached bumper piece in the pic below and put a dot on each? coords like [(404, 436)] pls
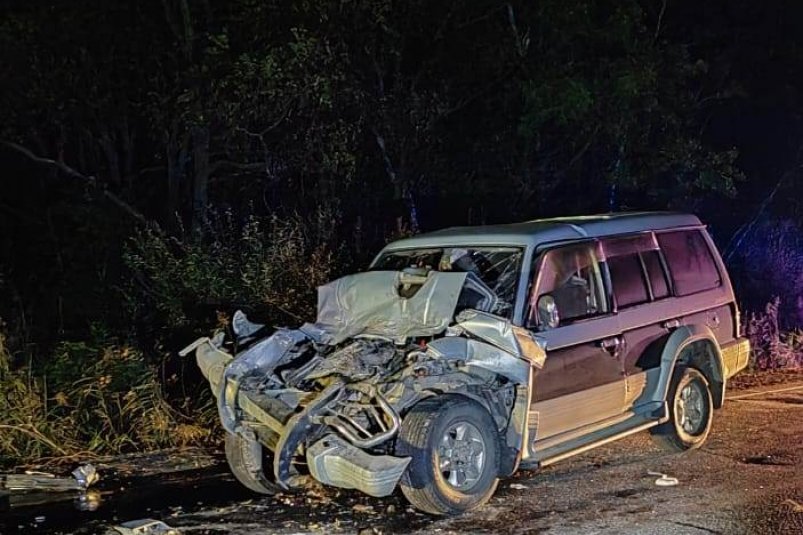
[(333, 461)]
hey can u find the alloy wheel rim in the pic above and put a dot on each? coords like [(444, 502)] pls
[(461, 455), (690, 409)]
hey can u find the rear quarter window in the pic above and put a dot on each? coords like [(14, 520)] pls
[(690, 261)]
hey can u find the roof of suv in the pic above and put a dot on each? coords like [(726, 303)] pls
[(548, 230)]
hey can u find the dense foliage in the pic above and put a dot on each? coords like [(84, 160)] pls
[(167, 161)]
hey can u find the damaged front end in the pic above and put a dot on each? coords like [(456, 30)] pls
[(328, 399)]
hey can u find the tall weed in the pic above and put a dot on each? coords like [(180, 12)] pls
[(91, 398), (772, 348)]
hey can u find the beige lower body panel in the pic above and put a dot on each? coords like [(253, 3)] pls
[(561, 414), (735, 356)]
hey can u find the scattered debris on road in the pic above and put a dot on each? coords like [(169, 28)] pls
[(86, 475), (795, 506), (763, 496), (146, 526), (518, 486), (362, 508), (663, 479), (769, 460), (83, 477)]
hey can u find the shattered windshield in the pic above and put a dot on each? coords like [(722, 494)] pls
[(497, 268)]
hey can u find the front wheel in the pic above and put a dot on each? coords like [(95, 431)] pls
[(691, 412), (243, 464), (454, 446)]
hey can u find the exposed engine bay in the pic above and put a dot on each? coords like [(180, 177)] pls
[(327, 400)]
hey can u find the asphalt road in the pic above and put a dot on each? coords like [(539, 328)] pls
[(748, 478)]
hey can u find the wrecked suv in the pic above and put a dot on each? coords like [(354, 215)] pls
[(463, 355)]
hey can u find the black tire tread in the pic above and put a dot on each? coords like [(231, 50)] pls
[(664, 436), (415, 435), (234, 456), (667, 440)]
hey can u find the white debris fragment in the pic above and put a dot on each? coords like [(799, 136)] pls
[(83, 477), (518, 486), (664, 480), (145, 526)]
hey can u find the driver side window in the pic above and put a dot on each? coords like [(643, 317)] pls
[(568, 287)]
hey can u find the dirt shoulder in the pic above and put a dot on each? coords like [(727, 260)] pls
[(761, 380)]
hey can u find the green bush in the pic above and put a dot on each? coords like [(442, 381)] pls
[(269, 263)]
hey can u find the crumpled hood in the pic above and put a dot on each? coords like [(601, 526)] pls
[(369, 303)]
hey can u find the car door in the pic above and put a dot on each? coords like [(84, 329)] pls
[(639, 291), (582, 381)]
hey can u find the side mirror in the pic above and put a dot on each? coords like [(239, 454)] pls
[(548, 315)]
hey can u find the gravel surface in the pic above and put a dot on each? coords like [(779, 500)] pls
[(748, 478)]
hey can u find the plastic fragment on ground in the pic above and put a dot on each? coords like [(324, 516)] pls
[(38, 481), (664, 480), (145, 526), (83, 477)]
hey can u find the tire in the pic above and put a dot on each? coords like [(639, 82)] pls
[(238, 455), (691, 411), (459, 435)]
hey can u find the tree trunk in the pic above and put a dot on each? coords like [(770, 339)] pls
[(200, 184), (176, 165), (108, 144), (127, 140)]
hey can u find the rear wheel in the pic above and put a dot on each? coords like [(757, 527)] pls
[(454, 447), (691, 411), (243, 463)]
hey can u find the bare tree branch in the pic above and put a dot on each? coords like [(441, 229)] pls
[(90, 180), (483, 91), (660, 21)]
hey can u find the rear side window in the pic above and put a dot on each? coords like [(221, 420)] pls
[(691, 264), (627, 279)]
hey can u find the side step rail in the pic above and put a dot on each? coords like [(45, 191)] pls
[(594, 438)]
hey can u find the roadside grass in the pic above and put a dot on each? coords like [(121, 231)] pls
[(89, 401)]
